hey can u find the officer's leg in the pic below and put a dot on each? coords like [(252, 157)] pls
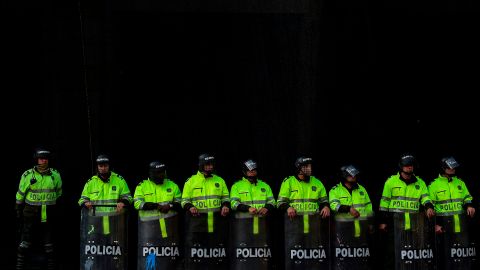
[(49, 246), (25, 243)]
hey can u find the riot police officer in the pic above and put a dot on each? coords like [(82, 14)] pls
[(205, 198), (252, 201), (37, 196), (353, 214), (303, 198), (157, 199), (401, 219), (104, 225), (453, 204)]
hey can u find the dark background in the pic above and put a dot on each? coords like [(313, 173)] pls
[(342, 81)]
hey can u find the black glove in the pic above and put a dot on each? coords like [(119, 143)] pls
[(150, 206), (164, 208)]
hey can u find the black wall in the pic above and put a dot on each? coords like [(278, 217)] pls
[(342, 81)]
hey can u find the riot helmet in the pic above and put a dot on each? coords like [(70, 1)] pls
[(206, 159), (41, 153), (249, 168), (45, 155), (103, 167), (449, 163), (157, 171), (407, 160), (301, 165), (349, 170), (102, 159)]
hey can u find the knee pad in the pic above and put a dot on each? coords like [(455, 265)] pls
[(49, 248), (23, 247)]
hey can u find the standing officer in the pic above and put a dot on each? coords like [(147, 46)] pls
[(404, 195), (104, 223), (304, 199), (37, 195), (205, 198), (252, 200), (353, 210), (158, 201), (452, 201)]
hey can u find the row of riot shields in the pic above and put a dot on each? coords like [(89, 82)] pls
[(248, 242)]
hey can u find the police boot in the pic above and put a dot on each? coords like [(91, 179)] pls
[(21, 255), (51, 260)]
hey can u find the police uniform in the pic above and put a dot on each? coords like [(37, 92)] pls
[(158, 231), (36, 199)]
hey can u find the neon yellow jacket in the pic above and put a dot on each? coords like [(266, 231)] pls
[(110, 192), (400, 197), (205, 194), (148, 191), (449, 197), (44, 190), (305, 197), (254, 195), (359, 199)]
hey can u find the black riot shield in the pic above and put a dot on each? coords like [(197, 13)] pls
[(350, 243), (251, 242), (206, 241), (413, 241), (103, 238), (159, 245), (456, 248), (306, 242)]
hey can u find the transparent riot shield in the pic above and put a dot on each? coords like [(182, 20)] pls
[(206, 241), (251, 242), (103, 238), (350, 243), (306, 242), (413, 241), (456, 248), (159, 244)]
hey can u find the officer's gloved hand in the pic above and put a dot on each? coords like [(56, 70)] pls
[(164, 208), (150, 206)]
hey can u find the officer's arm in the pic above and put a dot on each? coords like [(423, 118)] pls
[(270, 205), (139, 198), (235, 200), (368, 206), (467, 199), (22, 189), (186, 196), (225, 195), (323, 200), (284, 196), (334, 201), (385, 203), (125, 194), (424, 198), (58, 186), (85, 194), (177, 199)]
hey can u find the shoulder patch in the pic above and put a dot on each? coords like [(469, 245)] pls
[(286, 178), (27, 172)]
